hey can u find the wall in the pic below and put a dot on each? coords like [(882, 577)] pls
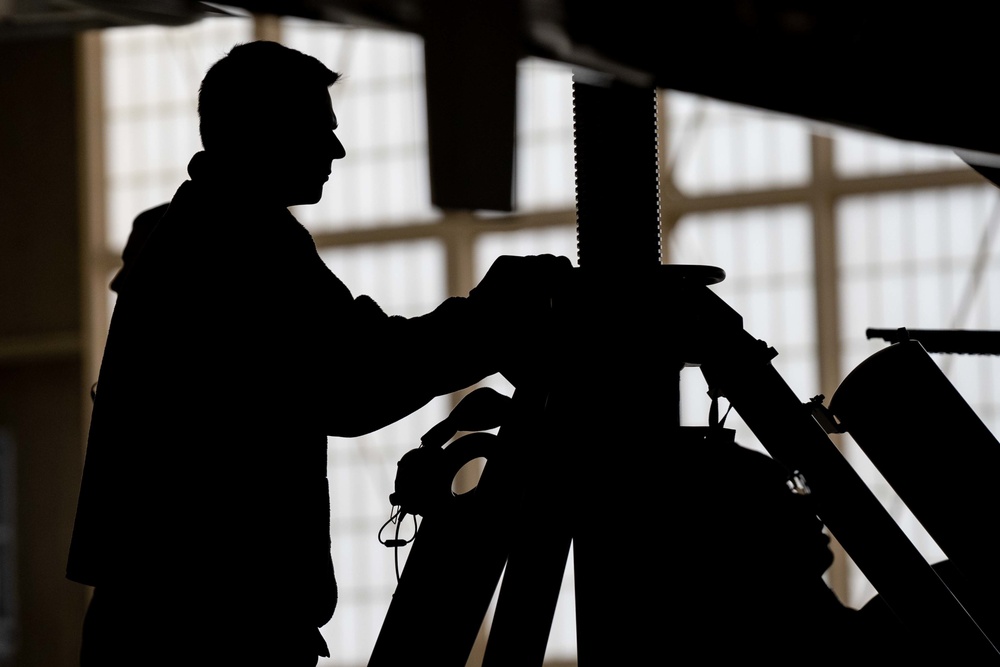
[(42, 391)]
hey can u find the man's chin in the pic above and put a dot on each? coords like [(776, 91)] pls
[(308, 197)]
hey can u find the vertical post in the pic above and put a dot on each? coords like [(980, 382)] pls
[(617, 189), (827, 289), (267, 27), (610, 413)]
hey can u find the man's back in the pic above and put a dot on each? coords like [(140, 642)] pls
[(206, 470)]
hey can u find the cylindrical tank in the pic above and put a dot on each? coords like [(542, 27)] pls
[(936, 453)]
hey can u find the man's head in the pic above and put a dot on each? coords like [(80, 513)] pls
[(265, 110)]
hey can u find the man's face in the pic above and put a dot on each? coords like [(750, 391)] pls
[(303, 149)]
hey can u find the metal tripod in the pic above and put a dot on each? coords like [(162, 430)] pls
[(588, 459)]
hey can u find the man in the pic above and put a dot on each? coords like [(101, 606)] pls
[(233, 352), (141, 227)]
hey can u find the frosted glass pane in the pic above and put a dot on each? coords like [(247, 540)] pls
[(151, 80), (381, 109), (865, 154), (544, 174), (404, 279), (767, 256), (715, 146), (554, 241)]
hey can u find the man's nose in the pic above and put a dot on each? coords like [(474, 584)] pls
[(336, 148)]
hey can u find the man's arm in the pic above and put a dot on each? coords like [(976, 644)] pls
[(399, 364)]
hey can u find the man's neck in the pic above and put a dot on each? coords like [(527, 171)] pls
[(243, 178)]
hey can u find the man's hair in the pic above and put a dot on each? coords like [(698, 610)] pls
[(252, 86)]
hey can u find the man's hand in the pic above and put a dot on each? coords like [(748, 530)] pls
[(516, 284), (514, 299)]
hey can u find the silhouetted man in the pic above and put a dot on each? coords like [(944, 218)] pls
[(233, 352)]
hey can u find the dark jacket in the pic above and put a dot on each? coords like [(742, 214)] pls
[(233, 352)]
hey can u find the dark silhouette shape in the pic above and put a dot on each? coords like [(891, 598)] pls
[(946, 341), (233, 352), (942, 478), (141, 227), (741, 547), (683, 542)]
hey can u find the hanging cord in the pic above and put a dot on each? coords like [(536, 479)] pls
[(713, 410), (396, 517)]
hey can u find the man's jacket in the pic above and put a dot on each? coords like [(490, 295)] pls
[(233, 352)]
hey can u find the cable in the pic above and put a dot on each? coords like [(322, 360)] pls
[(396, 517)]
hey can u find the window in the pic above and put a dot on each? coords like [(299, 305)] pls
[(817, 244), (766, 254), (151, 79), (921, 260)]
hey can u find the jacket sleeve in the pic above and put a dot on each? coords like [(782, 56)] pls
[(394, 365)]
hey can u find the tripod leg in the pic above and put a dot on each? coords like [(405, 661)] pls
[(789, 432), (528, 596), (536, 565), (451, 560), (458, 557)]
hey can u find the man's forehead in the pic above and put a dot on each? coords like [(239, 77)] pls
[(313, 105), (328, 107)]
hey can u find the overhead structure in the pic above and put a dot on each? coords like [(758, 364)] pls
[(907, 71)]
